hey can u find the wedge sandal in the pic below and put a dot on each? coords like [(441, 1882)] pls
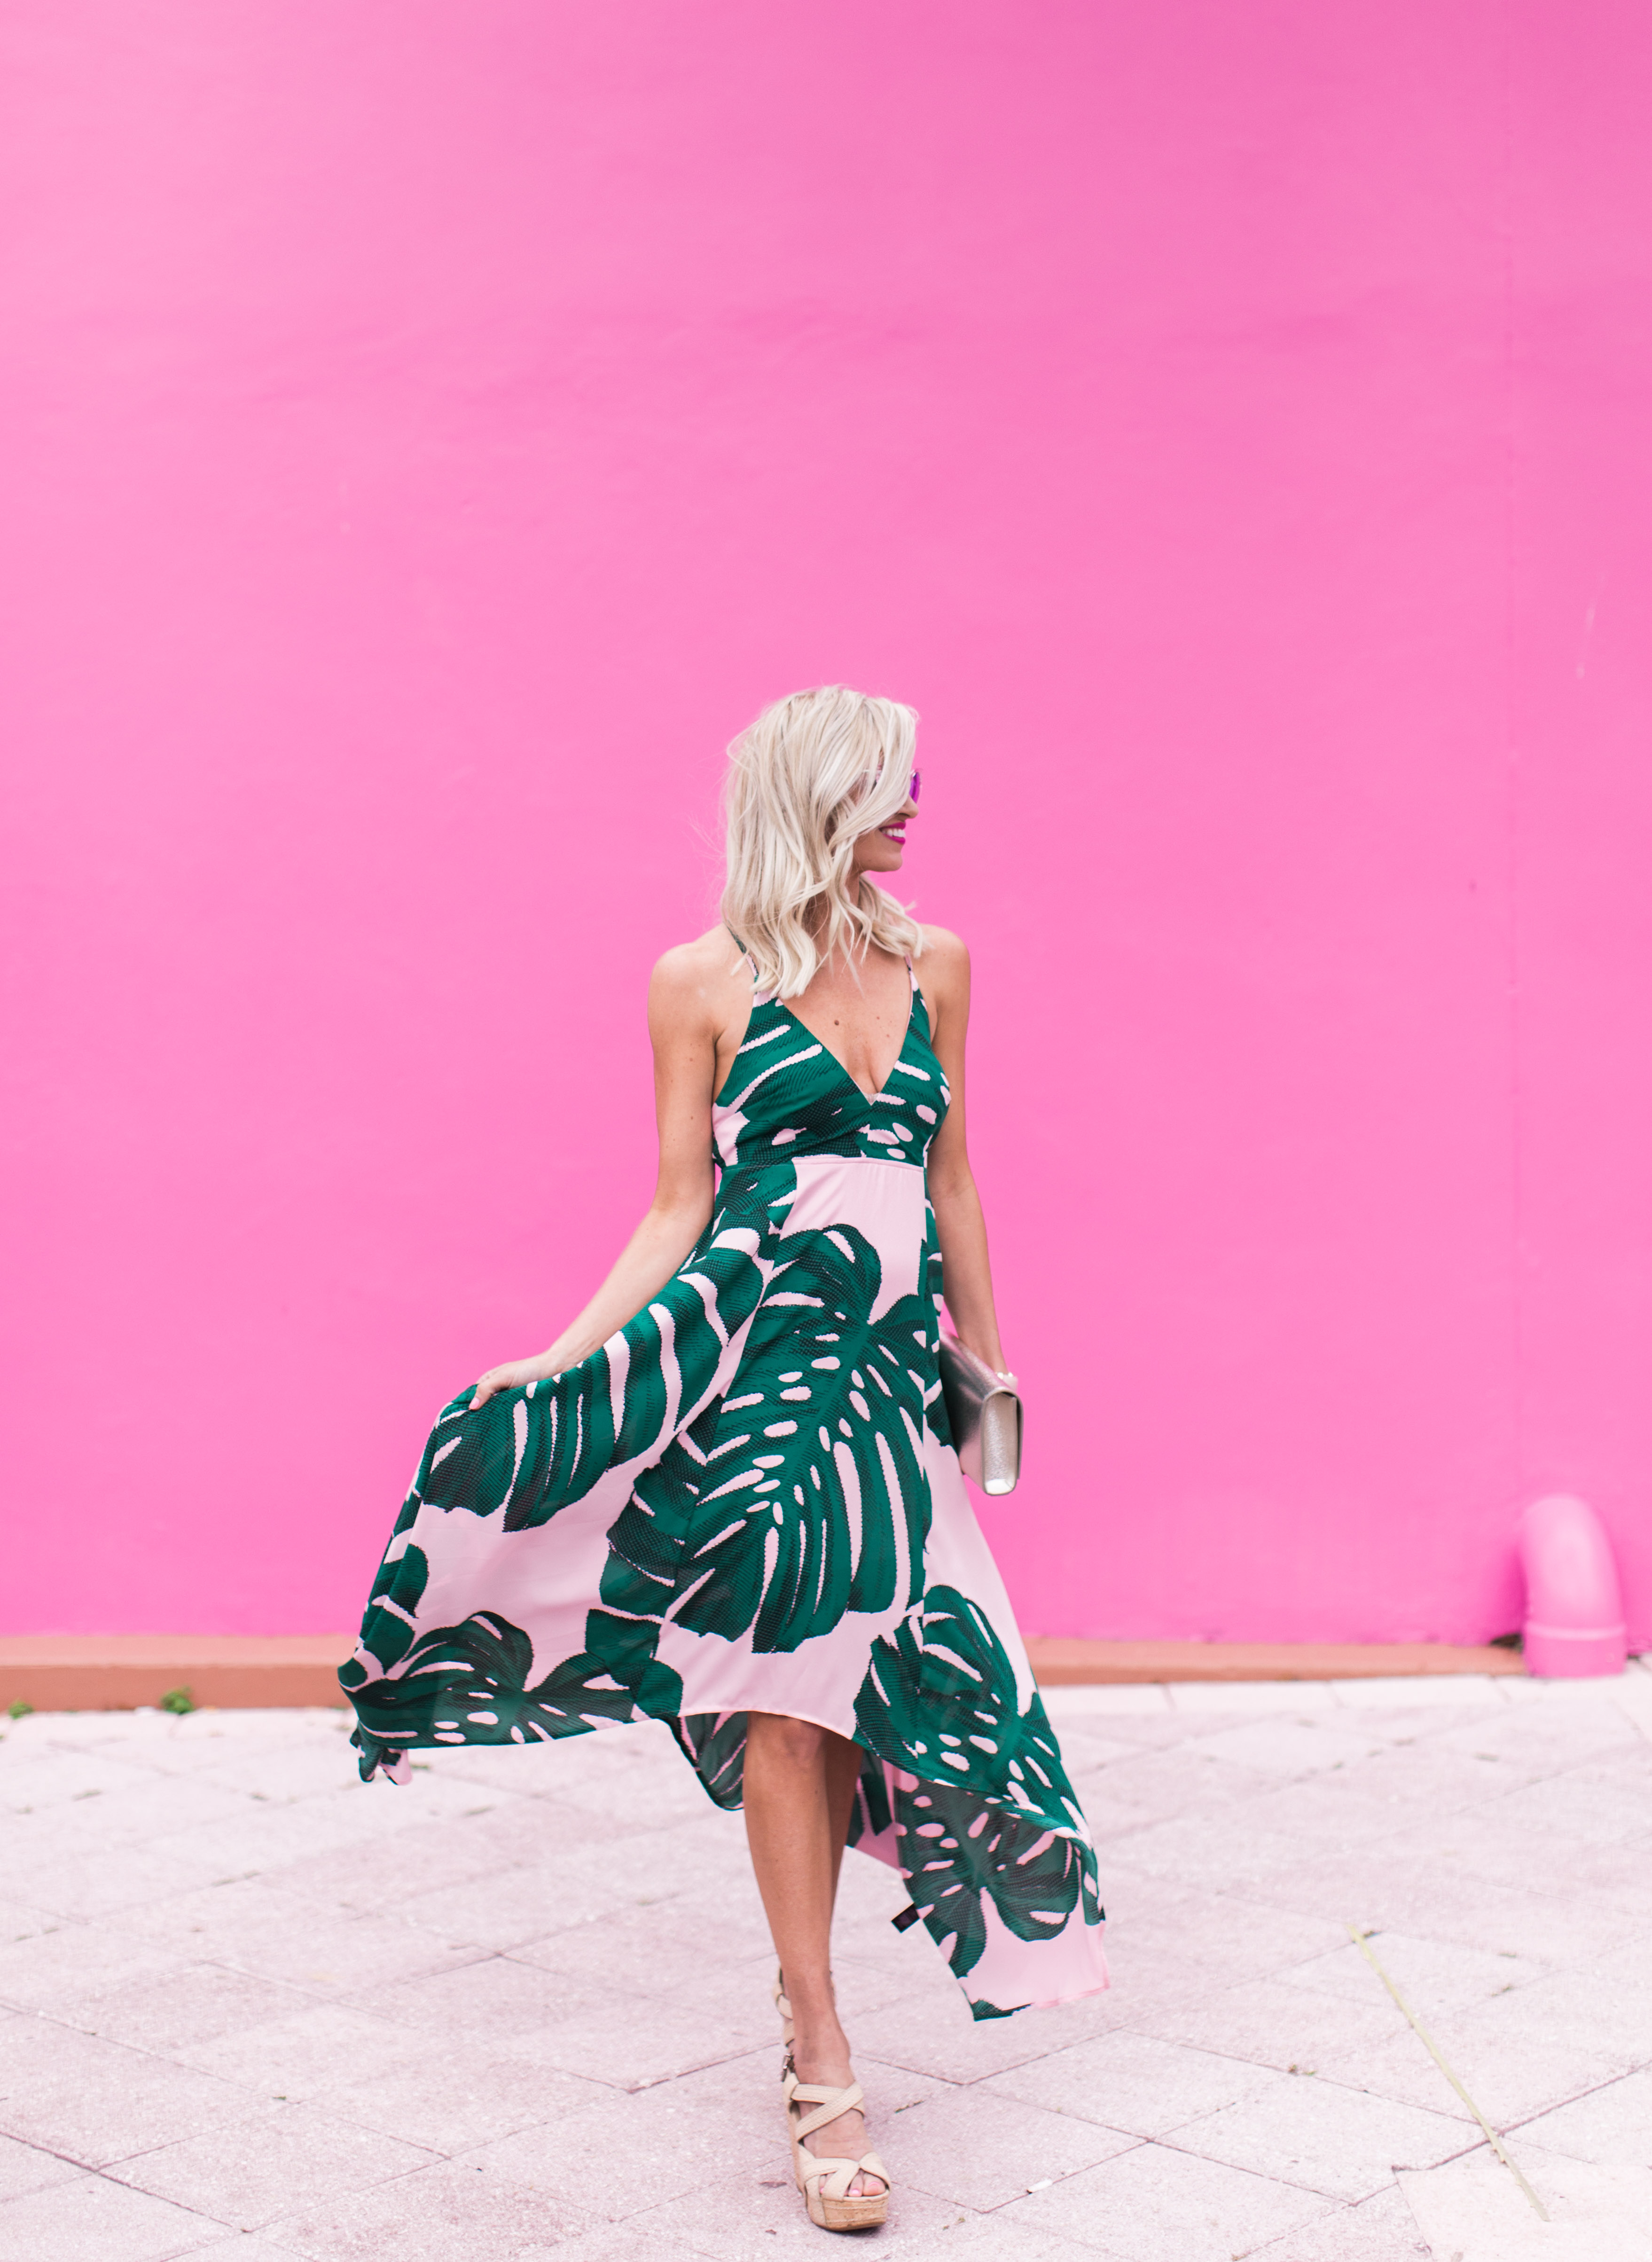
[(824, 2181)]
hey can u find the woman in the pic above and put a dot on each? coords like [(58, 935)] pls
[(726, 1496)]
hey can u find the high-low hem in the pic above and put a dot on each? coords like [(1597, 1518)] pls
[(748, 1499)]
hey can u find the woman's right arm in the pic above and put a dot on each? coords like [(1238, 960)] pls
[(689, 1000)]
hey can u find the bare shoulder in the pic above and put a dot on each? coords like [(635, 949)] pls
[(945, 964), (697, 981)]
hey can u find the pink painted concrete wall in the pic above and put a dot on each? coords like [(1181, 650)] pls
[(431, 431)]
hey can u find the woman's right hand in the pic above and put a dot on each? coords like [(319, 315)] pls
[(514, 1375)]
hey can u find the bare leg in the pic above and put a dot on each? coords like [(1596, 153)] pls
[(800, 1786), (843, 1772)]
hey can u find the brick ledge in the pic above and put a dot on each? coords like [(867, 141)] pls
[(1057, 1660), (87, 1673), (113, 1672)]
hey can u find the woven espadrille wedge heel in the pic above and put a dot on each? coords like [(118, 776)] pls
[(824, 2181)]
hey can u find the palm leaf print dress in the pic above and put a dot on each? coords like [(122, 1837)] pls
[(748, 1498)]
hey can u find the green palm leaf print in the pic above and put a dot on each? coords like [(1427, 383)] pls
[(939, 1699), (991, 1809), (469, 1683), (957, 1849), (537, 1450), (811, 1501)]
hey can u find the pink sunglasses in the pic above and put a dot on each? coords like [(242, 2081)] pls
[(915, 787)]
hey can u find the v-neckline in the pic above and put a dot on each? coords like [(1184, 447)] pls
[(798, 1022)]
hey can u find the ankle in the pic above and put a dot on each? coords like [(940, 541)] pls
[(813, 2000), (818, 2038), (821, 2053)]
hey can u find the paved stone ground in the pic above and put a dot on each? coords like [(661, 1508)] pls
[(251, 2009)]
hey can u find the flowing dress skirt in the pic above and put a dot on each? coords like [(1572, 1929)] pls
[(748, 1501)]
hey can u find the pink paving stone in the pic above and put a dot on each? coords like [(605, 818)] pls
[(405, 2044), (1612, 2123), (96, 2101), (1379, 2229), (1152, 2204), (451, 2212), (1342, 2143), (26, 2168), (94, 2218), (1133, 2082), (290, 2159)]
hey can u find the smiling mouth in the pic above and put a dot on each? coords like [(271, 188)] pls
[(895, 832)]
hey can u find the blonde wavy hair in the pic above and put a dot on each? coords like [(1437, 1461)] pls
[(804, 781)]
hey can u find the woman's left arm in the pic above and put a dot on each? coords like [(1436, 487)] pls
[(942, 972)]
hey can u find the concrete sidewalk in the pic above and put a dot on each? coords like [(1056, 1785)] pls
[(255, 2010)]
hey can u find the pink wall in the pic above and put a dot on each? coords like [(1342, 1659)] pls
[(434, 430)]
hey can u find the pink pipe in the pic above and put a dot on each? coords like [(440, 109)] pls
[(1574, 1606)]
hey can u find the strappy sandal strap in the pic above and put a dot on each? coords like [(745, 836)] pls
[(828, 2103), (819, 2092), (825, 2178), (834, 2175)]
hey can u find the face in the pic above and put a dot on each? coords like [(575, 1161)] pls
[(883, 849)]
